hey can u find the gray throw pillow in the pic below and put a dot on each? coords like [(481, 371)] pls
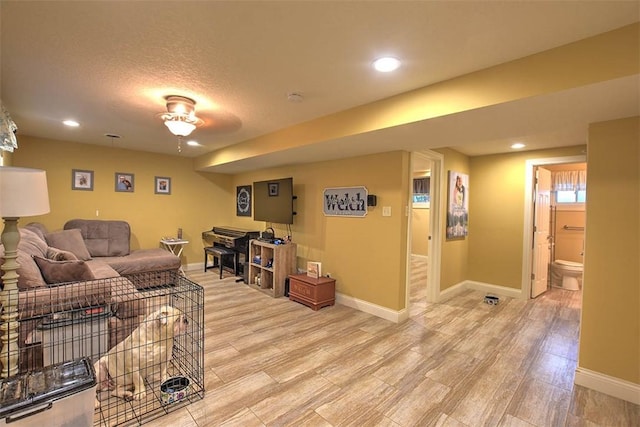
[(56, 254), (69, 240), (63, 271)]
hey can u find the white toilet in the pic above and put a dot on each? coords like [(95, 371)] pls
[(566, 275)]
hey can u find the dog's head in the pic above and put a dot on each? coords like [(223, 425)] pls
[(172, 318)]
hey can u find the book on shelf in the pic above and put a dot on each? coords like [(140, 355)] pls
[(314, 269)]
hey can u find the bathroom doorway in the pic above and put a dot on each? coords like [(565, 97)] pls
[(537, 248)]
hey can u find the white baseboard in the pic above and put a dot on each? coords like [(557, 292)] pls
[(612, 386), (451, 291), (478, 286), (493, 289), (374, 309)]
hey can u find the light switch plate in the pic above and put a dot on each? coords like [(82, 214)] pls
[(386, 211)]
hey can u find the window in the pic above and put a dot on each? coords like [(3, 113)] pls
[(564, 196), (570, 186)]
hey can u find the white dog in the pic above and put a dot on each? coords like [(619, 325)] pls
[(125, 366)]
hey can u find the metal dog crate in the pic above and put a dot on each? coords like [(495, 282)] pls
[(94, 324), (73, 334)]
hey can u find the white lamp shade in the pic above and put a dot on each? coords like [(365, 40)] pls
[(23, 192), (179, 127)]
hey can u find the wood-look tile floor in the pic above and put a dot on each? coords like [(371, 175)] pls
[(273, 362)]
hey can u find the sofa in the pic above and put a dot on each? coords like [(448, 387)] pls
[(88, 263)]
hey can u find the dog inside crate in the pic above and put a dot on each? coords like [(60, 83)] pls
[(143, 346), (144, 354)]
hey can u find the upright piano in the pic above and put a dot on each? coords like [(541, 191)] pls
[(236, 239)]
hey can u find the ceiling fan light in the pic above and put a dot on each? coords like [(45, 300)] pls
[(180, 117), (179, 127)]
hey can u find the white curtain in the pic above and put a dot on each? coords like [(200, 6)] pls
[(8, 128), (569, 180)]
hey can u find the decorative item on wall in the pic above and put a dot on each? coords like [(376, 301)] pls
[(243, 200), (124, 182), (163, 185), (421, 192), (273, 189), (345, 201), (8, 129), (81, 180), (458, 205)]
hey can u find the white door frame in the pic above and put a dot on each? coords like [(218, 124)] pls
[(529, 195), (435, 225)]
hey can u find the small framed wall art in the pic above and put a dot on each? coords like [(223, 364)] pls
[(243, 200), (124, 182), (81, 180), (163, 185), (274, 188)]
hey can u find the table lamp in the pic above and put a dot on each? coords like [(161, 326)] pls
[(23, 192)]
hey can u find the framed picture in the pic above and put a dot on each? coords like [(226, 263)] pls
[(273, 189), (243, 200), (163, 185), (124, 182), (81, 180), (458, 206)]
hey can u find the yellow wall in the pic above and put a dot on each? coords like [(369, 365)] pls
[(496, 215), (610, 326), (454, 252), (366, 255), (197, 201), (569, 244)]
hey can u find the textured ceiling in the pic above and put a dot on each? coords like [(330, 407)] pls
[(109, 65)]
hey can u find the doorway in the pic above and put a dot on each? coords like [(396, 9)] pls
[(424, 231), (530, 256)]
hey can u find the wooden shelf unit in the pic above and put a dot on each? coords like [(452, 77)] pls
[(275, 264)]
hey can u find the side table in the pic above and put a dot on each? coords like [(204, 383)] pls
[(175, 246)]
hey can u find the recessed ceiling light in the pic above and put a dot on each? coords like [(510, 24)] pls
[(386, 64), (71, 123), (193, 143), (295, 97), (518, 145)]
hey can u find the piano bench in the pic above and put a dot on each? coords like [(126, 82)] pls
[(220, 253)]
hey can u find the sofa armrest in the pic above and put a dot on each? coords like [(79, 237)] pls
[(117, 292), (68, 296)]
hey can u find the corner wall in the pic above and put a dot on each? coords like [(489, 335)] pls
[(610, 325)]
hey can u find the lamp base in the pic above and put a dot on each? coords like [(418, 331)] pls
[(9, 299)]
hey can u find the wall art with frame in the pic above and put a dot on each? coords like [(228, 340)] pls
[(243, 200), (163, 185), (124, 182), (81, 180), (458, 206)]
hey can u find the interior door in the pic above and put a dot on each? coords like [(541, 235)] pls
[(541, 234)]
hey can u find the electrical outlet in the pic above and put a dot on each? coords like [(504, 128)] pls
[(386, 211)]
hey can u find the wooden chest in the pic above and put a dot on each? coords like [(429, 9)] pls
[(314, 293)]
